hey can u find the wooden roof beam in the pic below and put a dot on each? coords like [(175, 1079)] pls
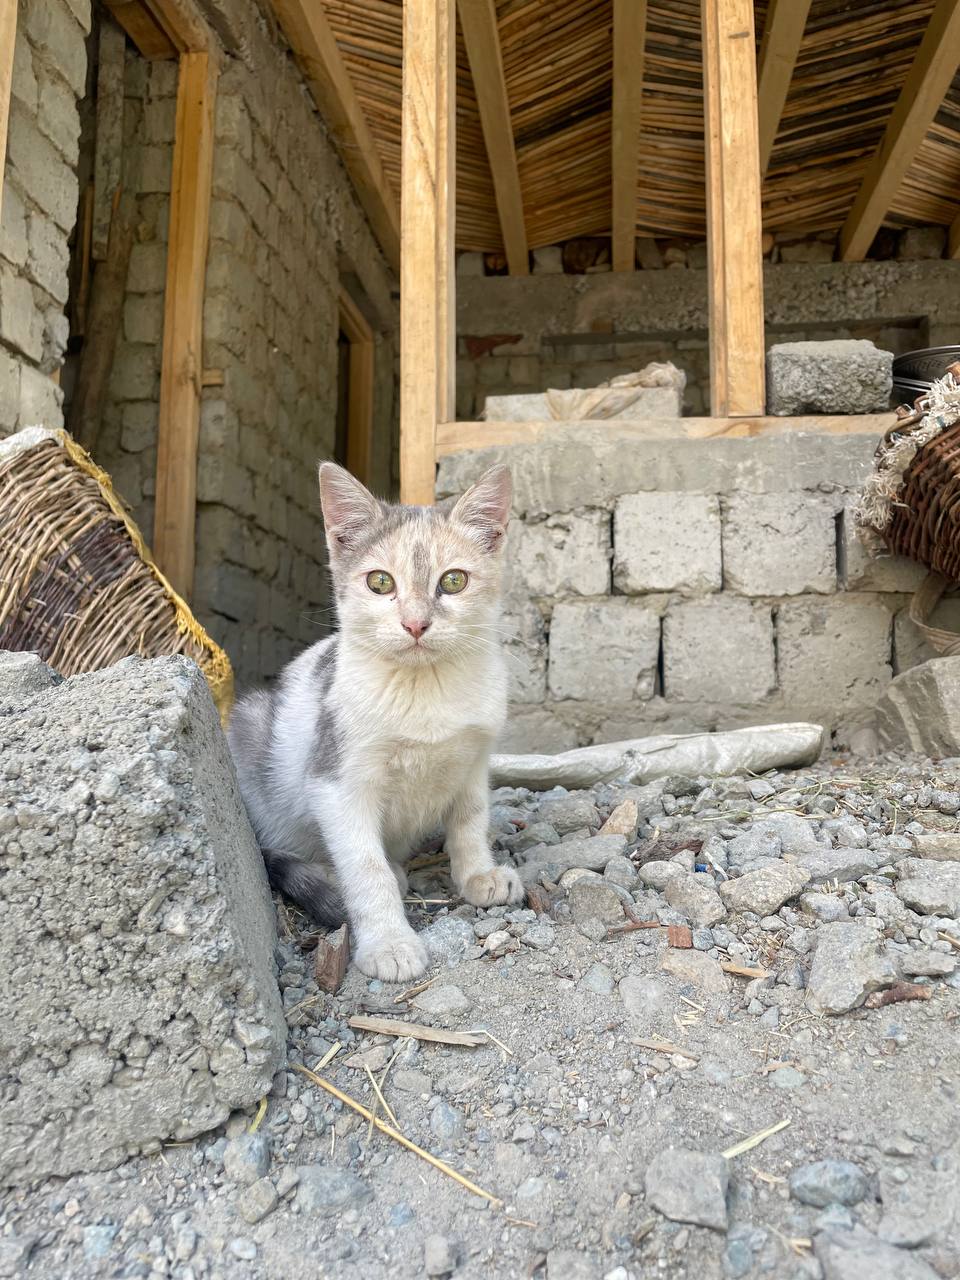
[(478, 19), (629, 35), (782, 35), (920, 98), (314, 45)]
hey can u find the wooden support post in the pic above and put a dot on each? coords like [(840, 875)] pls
[(8, 39), (953, 239), (734, 254), (922, 94), (360, 392), (181, 367), (427, 338), (108, 144), (629, 35), (782, 35), (478, 18)]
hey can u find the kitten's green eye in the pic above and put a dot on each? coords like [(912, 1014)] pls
[(453, 580), (380, 582)]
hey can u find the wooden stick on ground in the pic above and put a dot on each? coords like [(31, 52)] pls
[(396, 1027), (397, 1137), (749, 1143), (743, 970)]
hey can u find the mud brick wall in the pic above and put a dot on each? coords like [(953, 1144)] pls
[(685, 585), (39, 207)]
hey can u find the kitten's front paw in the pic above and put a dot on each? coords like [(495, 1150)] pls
[(395, 958), (493, 888)]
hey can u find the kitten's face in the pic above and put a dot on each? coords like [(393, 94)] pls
[(416, 585)]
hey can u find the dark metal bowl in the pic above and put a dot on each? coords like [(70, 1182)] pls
[(915, 372)]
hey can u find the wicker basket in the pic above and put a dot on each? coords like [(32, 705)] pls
[(77, 584), (911, 503)]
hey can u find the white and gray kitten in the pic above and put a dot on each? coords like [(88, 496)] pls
[(376, 736)]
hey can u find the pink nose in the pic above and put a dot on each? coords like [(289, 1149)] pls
[(416, 628)]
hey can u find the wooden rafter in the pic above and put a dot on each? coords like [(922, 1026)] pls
[(779, 46), (478, 19), (181, 362), (8, 34), (629, 35), (361, 387), (427, 213), (315, 48), (922, 94), (146, 33), (734, 256)]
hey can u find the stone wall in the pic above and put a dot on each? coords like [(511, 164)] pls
[(578, 330), (286, 235), (684, 585), (39, 207)]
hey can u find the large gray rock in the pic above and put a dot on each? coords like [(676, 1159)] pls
[(764, 891), (920, 709), (849, 963), (846, 375), (932, 888), (689, 1186), (857, 1255), (138, 991)]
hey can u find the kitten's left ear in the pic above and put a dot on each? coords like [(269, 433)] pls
[(485, 507)]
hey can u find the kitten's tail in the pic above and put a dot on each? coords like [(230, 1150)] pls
[(306, 886)]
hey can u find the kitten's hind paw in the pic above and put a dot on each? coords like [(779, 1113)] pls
[(396, 958), (493, 888)]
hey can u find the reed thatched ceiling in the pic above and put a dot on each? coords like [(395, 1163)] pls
[(851, 65)]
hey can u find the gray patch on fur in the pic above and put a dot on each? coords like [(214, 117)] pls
[(420, 562), (251, 730), (307, 885), (394, 518), (327, 738)]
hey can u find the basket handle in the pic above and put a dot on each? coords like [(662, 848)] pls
[(923, 603)]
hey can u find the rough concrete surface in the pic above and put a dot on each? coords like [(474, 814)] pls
[(846, 375), (138, 990)]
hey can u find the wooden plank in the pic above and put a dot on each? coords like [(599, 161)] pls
[(478, 19), (181, 367), (782, 34), (457, 437), (416, 1030), (8, 40), (182, 23), (734, 255), (426, 214), (360, 395), (150, 39), (108, 147), (923, 92), (629, 35), (315, 49)]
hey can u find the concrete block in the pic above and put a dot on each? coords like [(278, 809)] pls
[(718, 650), (834, 654), (136, 372), (233, 124), (138, 429), (807, 251), (143, 317), (13, 227), (148, 268), (58, 116), (137, 921), (603, 650), (25, 86), (48, 261), (470, 264), (667, 542), (41, 171), (156, 165), (859, 571), (41, 400), (525, 646), (21, 322), (779, 544), (921, 242), (920, 710), (56, 334), (54, 31), (537, 729), (548, 261), (563, 555), (842, 376), (9, 393)]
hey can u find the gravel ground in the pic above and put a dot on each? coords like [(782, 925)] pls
[(618, 1070)]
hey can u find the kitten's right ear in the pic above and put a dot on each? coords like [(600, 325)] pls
[(348, 508)]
